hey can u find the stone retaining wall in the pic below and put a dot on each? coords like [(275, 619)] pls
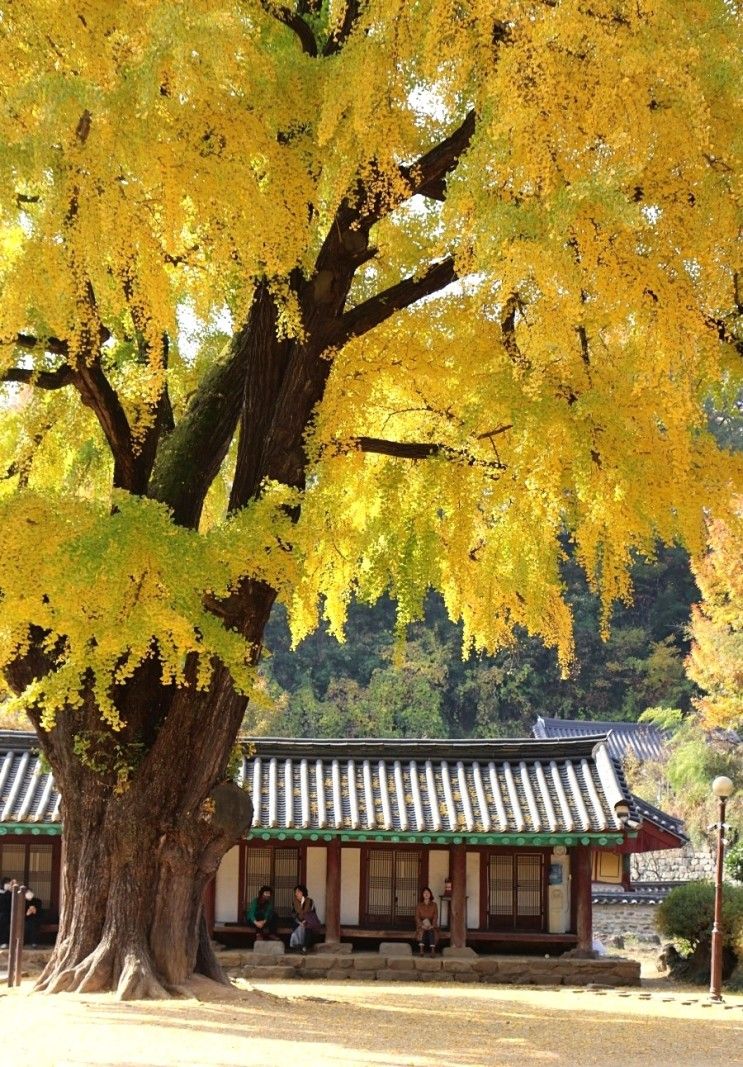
[(633, 920), (373, 966), (673, 865), (501, 970)]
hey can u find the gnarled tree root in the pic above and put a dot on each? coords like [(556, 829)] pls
[(129, 974)]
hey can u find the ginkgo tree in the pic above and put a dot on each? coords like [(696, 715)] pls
[(716, 658), (325, 299)]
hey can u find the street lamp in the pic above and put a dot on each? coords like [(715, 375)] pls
[(722, 787)]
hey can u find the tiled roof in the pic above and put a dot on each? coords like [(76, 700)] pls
[(639, 893), (505, 791), (643, 740), (660, 818), (435, 788), (27, 791)]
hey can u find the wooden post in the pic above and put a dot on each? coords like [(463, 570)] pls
[(60, 874), (458, 902), (582, 891), (333, 892), (17, 930)]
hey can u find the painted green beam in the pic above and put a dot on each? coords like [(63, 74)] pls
[(35, 828), (404, 837)]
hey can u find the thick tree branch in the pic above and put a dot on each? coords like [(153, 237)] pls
[(428, 175), (336, 40), (508, 331), (417, 450), (364, 317), (295, 23), (188, 460), (42, 379), (362, 208), (48, 344)]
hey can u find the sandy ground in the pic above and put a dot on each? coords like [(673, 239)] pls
[(383, 1025)]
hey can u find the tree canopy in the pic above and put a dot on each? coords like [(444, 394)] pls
[(559, 176)]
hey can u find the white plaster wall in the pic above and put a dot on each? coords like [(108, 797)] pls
[(438, 868), (350, 885), (317, 862), (473, 890), (225, 896)]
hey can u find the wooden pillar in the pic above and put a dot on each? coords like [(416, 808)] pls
[(582, 892), (333, 893), (458, 902), (62, 861)]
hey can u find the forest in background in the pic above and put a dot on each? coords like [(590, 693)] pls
[(378, 685)]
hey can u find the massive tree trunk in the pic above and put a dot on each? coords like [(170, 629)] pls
[(139, 853), (137, 860)]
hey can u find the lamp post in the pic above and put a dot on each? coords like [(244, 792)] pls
[(722, 787)]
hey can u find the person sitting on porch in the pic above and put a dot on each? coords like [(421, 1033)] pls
[(261, 916), (5, 902), (305, 919), (427, 923)]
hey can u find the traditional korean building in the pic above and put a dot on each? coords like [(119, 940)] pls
[(513, 825)]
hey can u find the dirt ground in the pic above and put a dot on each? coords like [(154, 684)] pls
[(385, 1025)]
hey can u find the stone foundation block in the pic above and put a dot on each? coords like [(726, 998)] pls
[(487, 966), (469, 976), (455, 966), (269, 948), (272, 960), (336, 948), (397, 976), (403, 963), (395, 948), (460, 953), (259, 975), (423, 964), (317, 964), (435, 976), (368, 963)]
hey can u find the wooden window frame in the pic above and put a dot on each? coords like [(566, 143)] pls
[(51, 906), (273, 846), (403, 846), (485, 854)]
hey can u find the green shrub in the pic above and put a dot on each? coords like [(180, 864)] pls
[(734, 861), (687, 914)]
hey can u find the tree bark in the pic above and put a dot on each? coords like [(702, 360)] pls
[(135, 870)]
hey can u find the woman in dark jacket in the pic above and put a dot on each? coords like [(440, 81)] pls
[(304, 917)]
